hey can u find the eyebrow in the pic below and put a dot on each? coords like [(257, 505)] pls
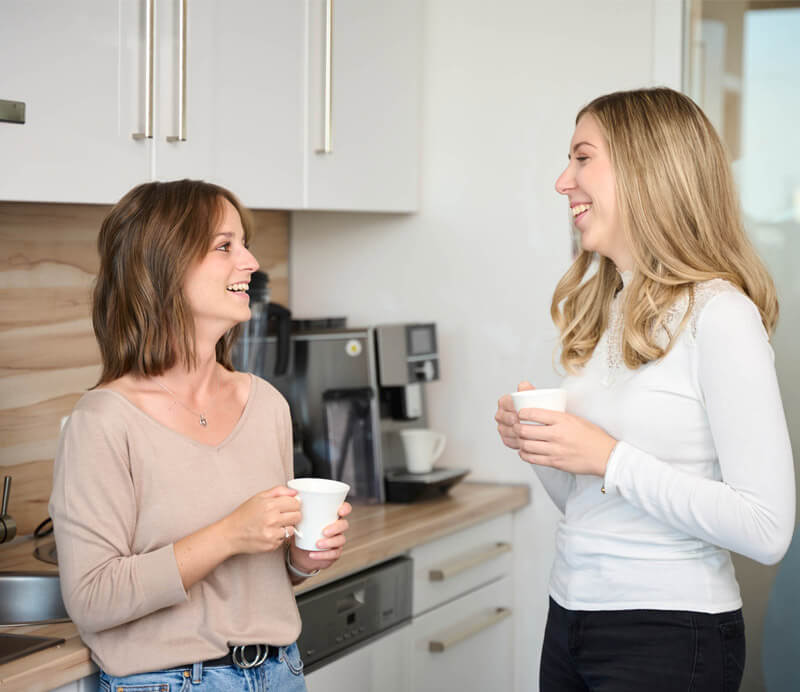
[(228, 235), (578, 144)]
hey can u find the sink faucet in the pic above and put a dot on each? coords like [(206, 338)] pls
[(8, 527)]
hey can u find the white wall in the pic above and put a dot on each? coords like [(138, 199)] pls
[(502, 82)]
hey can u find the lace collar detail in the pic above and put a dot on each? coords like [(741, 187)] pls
[(703, 292)]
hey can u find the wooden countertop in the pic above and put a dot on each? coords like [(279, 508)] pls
[(377, 533)]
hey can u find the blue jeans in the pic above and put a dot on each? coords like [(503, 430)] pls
[(281, 674), (636, 650)]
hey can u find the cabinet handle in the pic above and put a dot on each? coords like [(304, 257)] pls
[(467, 561), (181, 136), (148, 74), (467, 629), (327, 96)]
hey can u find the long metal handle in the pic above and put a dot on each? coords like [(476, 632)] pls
[(148, 73), (8, 527), (468, 561), (327, 97), (6, 495), (181, 136), (467, 629)]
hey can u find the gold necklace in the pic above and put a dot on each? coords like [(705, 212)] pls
[(202, 415)]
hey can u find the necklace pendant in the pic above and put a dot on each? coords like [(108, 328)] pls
[(203, 420)]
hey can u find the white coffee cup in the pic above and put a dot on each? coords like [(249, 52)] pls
[(551, 399), (320, 500), (423, 447)]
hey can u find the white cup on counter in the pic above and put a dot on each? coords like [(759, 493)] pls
[(550, 399), (422, 447), (320, 500)]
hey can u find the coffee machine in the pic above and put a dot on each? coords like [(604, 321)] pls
[(350, 391)]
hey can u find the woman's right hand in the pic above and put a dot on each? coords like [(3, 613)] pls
[(261, 524), (506, 417)]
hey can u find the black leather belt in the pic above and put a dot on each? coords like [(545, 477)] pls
[(249, 656)]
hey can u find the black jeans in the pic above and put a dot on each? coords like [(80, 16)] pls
[(636, 650)]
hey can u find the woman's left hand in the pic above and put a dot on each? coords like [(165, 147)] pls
[(309, 560), (564, 442)]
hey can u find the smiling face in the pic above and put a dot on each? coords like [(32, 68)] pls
[(216, 286), (589, 183)]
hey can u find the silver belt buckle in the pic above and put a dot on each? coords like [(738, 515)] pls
[(240, 659)]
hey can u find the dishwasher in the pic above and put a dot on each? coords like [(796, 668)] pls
[(354, 611)]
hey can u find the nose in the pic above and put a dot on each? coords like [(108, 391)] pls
[(248, 261), (566, 181)]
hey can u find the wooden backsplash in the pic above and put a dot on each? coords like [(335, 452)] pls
[(48, 354)]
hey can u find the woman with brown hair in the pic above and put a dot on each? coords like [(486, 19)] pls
[(172, 517), (674, 448)]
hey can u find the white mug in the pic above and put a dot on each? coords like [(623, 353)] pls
[(320, 500), (551, 399), (423, 447)]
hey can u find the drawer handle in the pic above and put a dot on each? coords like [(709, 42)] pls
[(470, 560), (467, 629)]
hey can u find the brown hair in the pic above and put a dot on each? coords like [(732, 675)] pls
[(147, 243), (680, 216)]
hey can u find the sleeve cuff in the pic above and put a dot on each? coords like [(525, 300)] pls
[(609, 486), (160, 579)]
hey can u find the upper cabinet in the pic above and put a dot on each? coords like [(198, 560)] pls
[(291, 104), (240, 65), (363, 104), (69, 65)]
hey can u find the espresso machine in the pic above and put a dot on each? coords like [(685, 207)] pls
[(350, 391)]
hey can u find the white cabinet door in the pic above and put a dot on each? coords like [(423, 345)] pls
[(467, 644), (244, 97), (77, 67), (374, 105), (382, 666)]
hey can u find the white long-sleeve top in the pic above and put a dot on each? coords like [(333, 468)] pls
[(703, 466)]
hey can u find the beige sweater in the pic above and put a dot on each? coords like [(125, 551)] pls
[(125, 489)]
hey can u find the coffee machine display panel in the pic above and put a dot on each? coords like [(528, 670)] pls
[(407, 354)]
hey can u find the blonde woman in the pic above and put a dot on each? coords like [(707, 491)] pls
[(172, 517), (674, 449)]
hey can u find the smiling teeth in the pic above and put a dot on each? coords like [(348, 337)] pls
[(579, 209), (237, 287)]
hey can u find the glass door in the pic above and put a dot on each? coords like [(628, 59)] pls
[(743, 62)]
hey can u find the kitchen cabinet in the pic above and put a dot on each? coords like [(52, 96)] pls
[(243, 93), (383, 664), (104, 86), (373, 103), (466, 644), (76, 73), (463, 598), (243, 108), (462, 618)]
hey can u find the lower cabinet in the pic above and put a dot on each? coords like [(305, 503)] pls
[(383, 665), (461, 634), (467, 644)]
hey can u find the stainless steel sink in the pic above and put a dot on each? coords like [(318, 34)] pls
[(30, 597)]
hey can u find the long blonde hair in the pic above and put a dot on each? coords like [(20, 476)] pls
[(680, 216)]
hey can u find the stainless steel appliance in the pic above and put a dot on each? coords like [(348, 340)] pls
[(354, 611), (350, 391)]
